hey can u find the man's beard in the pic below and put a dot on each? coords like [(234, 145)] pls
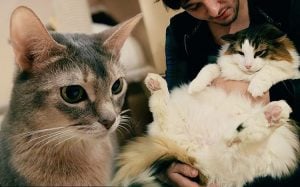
[(236, 11)]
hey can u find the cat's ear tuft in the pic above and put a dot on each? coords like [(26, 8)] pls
[(273, 33), (229, 38), (115, 37), (31, 42)]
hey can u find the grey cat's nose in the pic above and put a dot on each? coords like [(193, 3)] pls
[(107, 122)]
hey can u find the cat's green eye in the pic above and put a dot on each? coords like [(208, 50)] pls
[(117, 87), (73, 94), (260, 53)]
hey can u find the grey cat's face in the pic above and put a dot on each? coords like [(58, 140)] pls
[(255, 46), (69, 81), (82, 88)]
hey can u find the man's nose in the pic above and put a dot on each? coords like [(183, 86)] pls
[(212, 7)]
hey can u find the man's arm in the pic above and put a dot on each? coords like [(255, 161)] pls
[(175, 63)]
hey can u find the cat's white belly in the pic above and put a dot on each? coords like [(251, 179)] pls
[(190, 118), (190, 124)]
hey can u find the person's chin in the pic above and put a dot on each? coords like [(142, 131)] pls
[(226, 18), (224, 22)]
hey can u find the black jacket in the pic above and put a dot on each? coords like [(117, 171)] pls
[(190, 46)]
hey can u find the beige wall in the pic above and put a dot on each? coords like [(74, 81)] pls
[(6, 53), (156, 19)]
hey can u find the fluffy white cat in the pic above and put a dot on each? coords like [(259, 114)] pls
[(242, 141), (227, 137)]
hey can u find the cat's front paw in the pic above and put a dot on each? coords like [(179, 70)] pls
[(204, 78), (256, 89), (196, 86), (277, 110), (155, 82)]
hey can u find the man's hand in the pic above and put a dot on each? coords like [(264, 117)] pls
[(180, 175)]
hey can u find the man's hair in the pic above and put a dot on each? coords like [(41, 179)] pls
[(173, 4)]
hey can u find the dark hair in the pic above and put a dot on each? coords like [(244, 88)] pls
[(173, 4)]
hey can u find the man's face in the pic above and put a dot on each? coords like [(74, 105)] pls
[(222, 12)]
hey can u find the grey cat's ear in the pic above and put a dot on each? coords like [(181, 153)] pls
[(31, 42), (229, 38), (115, 37)]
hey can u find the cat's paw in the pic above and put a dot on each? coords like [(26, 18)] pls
[(196, 86), (204, 78), (256, 89), (155, 82), (277, 110)]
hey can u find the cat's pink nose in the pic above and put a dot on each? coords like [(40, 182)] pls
[(248, 66)]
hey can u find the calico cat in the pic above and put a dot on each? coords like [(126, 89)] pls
[(262, 55), (243, 142), (65, 105), (224, 135)]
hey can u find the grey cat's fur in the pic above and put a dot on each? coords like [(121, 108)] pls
[(49, 136)]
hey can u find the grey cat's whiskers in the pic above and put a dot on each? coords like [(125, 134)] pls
[(65, 140), (45, 135), (51, 137), (123, 127), (124, 111), (29, 133)]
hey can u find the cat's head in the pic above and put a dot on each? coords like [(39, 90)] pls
[(70, 81), (253, 47)]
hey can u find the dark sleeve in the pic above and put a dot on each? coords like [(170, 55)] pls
[(288, 90), (294, 23), (175, 61)]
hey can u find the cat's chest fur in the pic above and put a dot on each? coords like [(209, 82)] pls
[(182, 121), (72, 164)]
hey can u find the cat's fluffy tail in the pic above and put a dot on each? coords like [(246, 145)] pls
[(144, 158)]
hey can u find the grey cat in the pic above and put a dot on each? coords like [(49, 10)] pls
[(65, 105)]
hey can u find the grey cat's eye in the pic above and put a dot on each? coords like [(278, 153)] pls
[(73, 94), (117, 87)]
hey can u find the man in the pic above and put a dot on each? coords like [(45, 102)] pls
[(193, 40)]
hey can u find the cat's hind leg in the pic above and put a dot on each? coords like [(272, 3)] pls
[(159, 96), (260, 125), (276, 111), (204, 78)]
